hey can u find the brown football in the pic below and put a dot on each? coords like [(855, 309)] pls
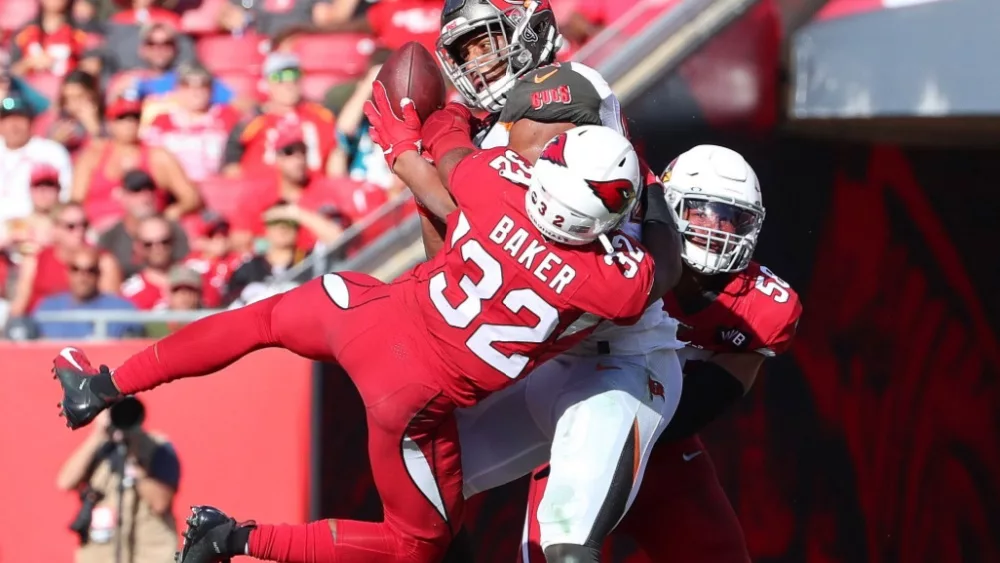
[(412, 72)]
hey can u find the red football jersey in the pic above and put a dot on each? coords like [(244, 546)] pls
[(144, 294), (396, 22), (500, 299), (215, 272), (260, 134), (756, 311)]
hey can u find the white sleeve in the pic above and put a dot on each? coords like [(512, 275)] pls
[(611, 108)]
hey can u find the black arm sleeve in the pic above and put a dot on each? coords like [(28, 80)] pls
[(709, 391), (233, 153)]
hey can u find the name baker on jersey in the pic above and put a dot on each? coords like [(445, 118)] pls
[(514, 244)]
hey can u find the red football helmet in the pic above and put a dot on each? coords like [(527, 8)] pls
[(486, 45)]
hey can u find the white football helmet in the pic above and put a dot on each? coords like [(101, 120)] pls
[(583, 185), (717, 199)]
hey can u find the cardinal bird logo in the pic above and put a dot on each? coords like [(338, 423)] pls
[(555, 151), (614, 194)]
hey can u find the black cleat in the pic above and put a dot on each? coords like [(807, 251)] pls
[(81, 402), (209, 537)]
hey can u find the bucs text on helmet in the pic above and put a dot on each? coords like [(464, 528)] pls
[(716, 196), (513, 37), (583, 185)]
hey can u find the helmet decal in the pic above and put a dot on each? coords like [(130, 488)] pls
[(614, 194), (555, 151)]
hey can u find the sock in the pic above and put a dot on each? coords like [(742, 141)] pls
[(239, 540), (104, 386), (301, 543)]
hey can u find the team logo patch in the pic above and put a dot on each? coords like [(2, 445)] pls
[(614, 194), (555, 151)]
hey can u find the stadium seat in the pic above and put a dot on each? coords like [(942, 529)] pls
[(226, 54), (343, 54), (242, 84), (46, 83), (202, 20), (15, 13), (315, 85), (223, 195)]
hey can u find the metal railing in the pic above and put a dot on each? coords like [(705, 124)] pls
[(101, 319)]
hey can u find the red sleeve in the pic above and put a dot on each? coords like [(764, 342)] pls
[(627, 280), (294, 321)]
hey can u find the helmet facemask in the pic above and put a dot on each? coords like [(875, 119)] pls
[(720, 234)]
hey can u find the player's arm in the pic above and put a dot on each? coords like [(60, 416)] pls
[(662, 240), (298, 321), (423, 180)]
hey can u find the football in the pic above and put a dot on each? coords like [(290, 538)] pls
[(412, 72)]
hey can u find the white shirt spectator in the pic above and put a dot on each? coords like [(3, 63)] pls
[(15, 174)]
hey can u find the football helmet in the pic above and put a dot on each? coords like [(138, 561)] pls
[(583, 185), (522, 36), (716, 196)]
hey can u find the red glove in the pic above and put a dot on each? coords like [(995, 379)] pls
[(447, 129), (394, 134)]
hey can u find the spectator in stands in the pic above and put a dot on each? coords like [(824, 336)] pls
[(146, 12), (356, 155), (250, 149), (50, 43), (268, 18), (150, 288), (151, 47), (13, 86), (254, 280), (153, 87), (139, 198), (19, 150), (393, 22), (590, 17), (185, 289), (28, 234), (84, 295), (194, 128), (103, 163), (87, 17), (150, 478), (79, 111), (214, 257), (45, 271), (304, 197)]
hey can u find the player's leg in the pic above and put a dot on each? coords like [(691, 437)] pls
[(606, 420), (682, 513), (531, 549)]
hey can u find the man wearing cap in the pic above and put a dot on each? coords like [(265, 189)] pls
[(27, 234), (19, 151), (251, 150), (139, 198), (213, 257), (296, 195), (186, 286), (190, 123)]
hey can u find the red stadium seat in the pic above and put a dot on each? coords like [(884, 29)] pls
[(15, 13), (242, 84), (203, 19), (46, 83), (225, 53), (343, 54), (315, 85), (223, 195)]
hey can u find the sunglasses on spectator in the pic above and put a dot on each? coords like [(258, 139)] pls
[(164, 43), (72, 226), (130, 115), (285, 75), (92, 270), (46, 184), (161, 242), (295, 148)]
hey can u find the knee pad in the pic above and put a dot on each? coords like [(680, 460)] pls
[(571, 553)]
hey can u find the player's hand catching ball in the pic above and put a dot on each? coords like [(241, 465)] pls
[(396, 135), (446, 129)]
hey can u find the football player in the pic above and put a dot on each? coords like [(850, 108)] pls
[(497, 301), (735, 314)]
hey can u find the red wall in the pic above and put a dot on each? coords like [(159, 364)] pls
[(231, 455)]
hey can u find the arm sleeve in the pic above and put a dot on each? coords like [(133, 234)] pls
[(297, 321), (233, 153), (165, 467)]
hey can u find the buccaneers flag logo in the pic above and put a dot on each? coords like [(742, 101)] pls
[(614, 194), (555, 151)]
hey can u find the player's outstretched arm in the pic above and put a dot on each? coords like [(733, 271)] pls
[(423, 180), (662, 240), (296, 320)]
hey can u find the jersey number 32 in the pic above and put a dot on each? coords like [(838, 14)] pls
[(462, 316)]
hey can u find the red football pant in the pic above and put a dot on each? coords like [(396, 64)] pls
[(680, 514), (363, 325)]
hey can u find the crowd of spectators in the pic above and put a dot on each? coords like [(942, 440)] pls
[(183, 154)]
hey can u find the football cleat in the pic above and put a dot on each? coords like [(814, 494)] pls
[(208, 537), (81, 403)]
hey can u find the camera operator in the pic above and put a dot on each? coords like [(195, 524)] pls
[(126, 478)]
